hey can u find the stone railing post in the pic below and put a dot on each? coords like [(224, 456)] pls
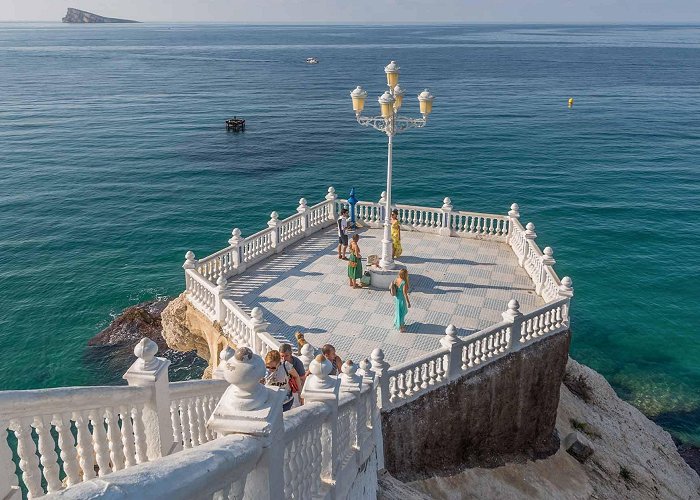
[(351, 382), (320, 386), (150, 371), (566, 288), (259, 325), (236, 241), (547, 260), (515, 317), (331, 197), (190, 263), (380, 369), (225, 354), (446, 226), (220, 291), (248, 407), (530, 235), (303, 210), (306, 355), (367, 375), (513, 215), (454, 344), (274, 224)]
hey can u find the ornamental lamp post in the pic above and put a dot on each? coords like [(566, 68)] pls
[(390, 123)]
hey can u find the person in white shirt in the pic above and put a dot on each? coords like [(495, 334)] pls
[(343, 234), (278, 374)]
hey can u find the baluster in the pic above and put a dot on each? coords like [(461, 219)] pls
[(8, 478), (476, 346), (529, 331), (484, 348), (194, 426), (472, 224), (116, 450), (128, 437), (417, 379), (465, 357), (542, 327), (558, 317), (213, 401), (201, 419), (28, 460), (184, 415), (86, 453), (66, 443), (425, 375), (139, 434), (47, 447), (432, 372), (175, 421), (99, 436)]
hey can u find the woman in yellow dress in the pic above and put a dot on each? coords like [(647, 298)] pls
[(395, 235)]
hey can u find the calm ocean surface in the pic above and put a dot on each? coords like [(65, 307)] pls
[(114, 162)]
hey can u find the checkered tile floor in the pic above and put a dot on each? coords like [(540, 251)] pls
[(453, 280)]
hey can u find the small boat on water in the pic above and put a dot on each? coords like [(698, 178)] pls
[(311, 60)]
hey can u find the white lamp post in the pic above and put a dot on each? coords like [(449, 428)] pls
[(391, 124)]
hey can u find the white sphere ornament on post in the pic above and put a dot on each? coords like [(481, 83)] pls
[(566, 288), (189, 260), (530, 233), (547, 256)]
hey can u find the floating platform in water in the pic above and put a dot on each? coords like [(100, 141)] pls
[(235, 124)]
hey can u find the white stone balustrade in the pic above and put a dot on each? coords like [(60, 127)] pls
[(407, 381)]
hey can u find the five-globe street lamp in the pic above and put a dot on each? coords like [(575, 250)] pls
[(390, 123)]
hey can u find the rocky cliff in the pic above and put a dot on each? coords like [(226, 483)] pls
[(632, 458), (80, 16)]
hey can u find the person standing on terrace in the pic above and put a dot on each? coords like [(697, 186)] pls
[(278, 374), (355, 262), (401, 300), (396, 249), (343, 234)]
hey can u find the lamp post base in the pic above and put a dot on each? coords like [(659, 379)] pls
[(381, 278)]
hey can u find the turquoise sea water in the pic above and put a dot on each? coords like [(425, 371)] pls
[(114, 162)]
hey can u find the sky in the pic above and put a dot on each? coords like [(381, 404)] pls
[(365, 11)]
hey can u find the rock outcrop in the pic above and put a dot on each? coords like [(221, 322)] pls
[(81, 17), (186, 329), (633, 459), (112, 350)]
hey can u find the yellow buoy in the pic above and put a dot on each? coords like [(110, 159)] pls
[(571, 102)]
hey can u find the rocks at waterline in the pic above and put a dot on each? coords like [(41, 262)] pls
[(111, 351), (77, 16)]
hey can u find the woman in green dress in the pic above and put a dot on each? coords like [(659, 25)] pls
[(355, 262), (401, 300)]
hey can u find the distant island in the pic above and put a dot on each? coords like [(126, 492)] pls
[(80, 16)]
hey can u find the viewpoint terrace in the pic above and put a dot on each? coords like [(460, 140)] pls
[(483, 291)]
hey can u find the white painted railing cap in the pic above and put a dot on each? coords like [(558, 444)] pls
[(450, 337), (147, 367), (350, 381), (235, 236), (319, 384), (378, 363), (512, 312), (247, 406), (189, 260), (514, 211)]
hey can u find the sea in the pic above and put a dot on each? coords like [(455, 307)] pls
[(114, 162)]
